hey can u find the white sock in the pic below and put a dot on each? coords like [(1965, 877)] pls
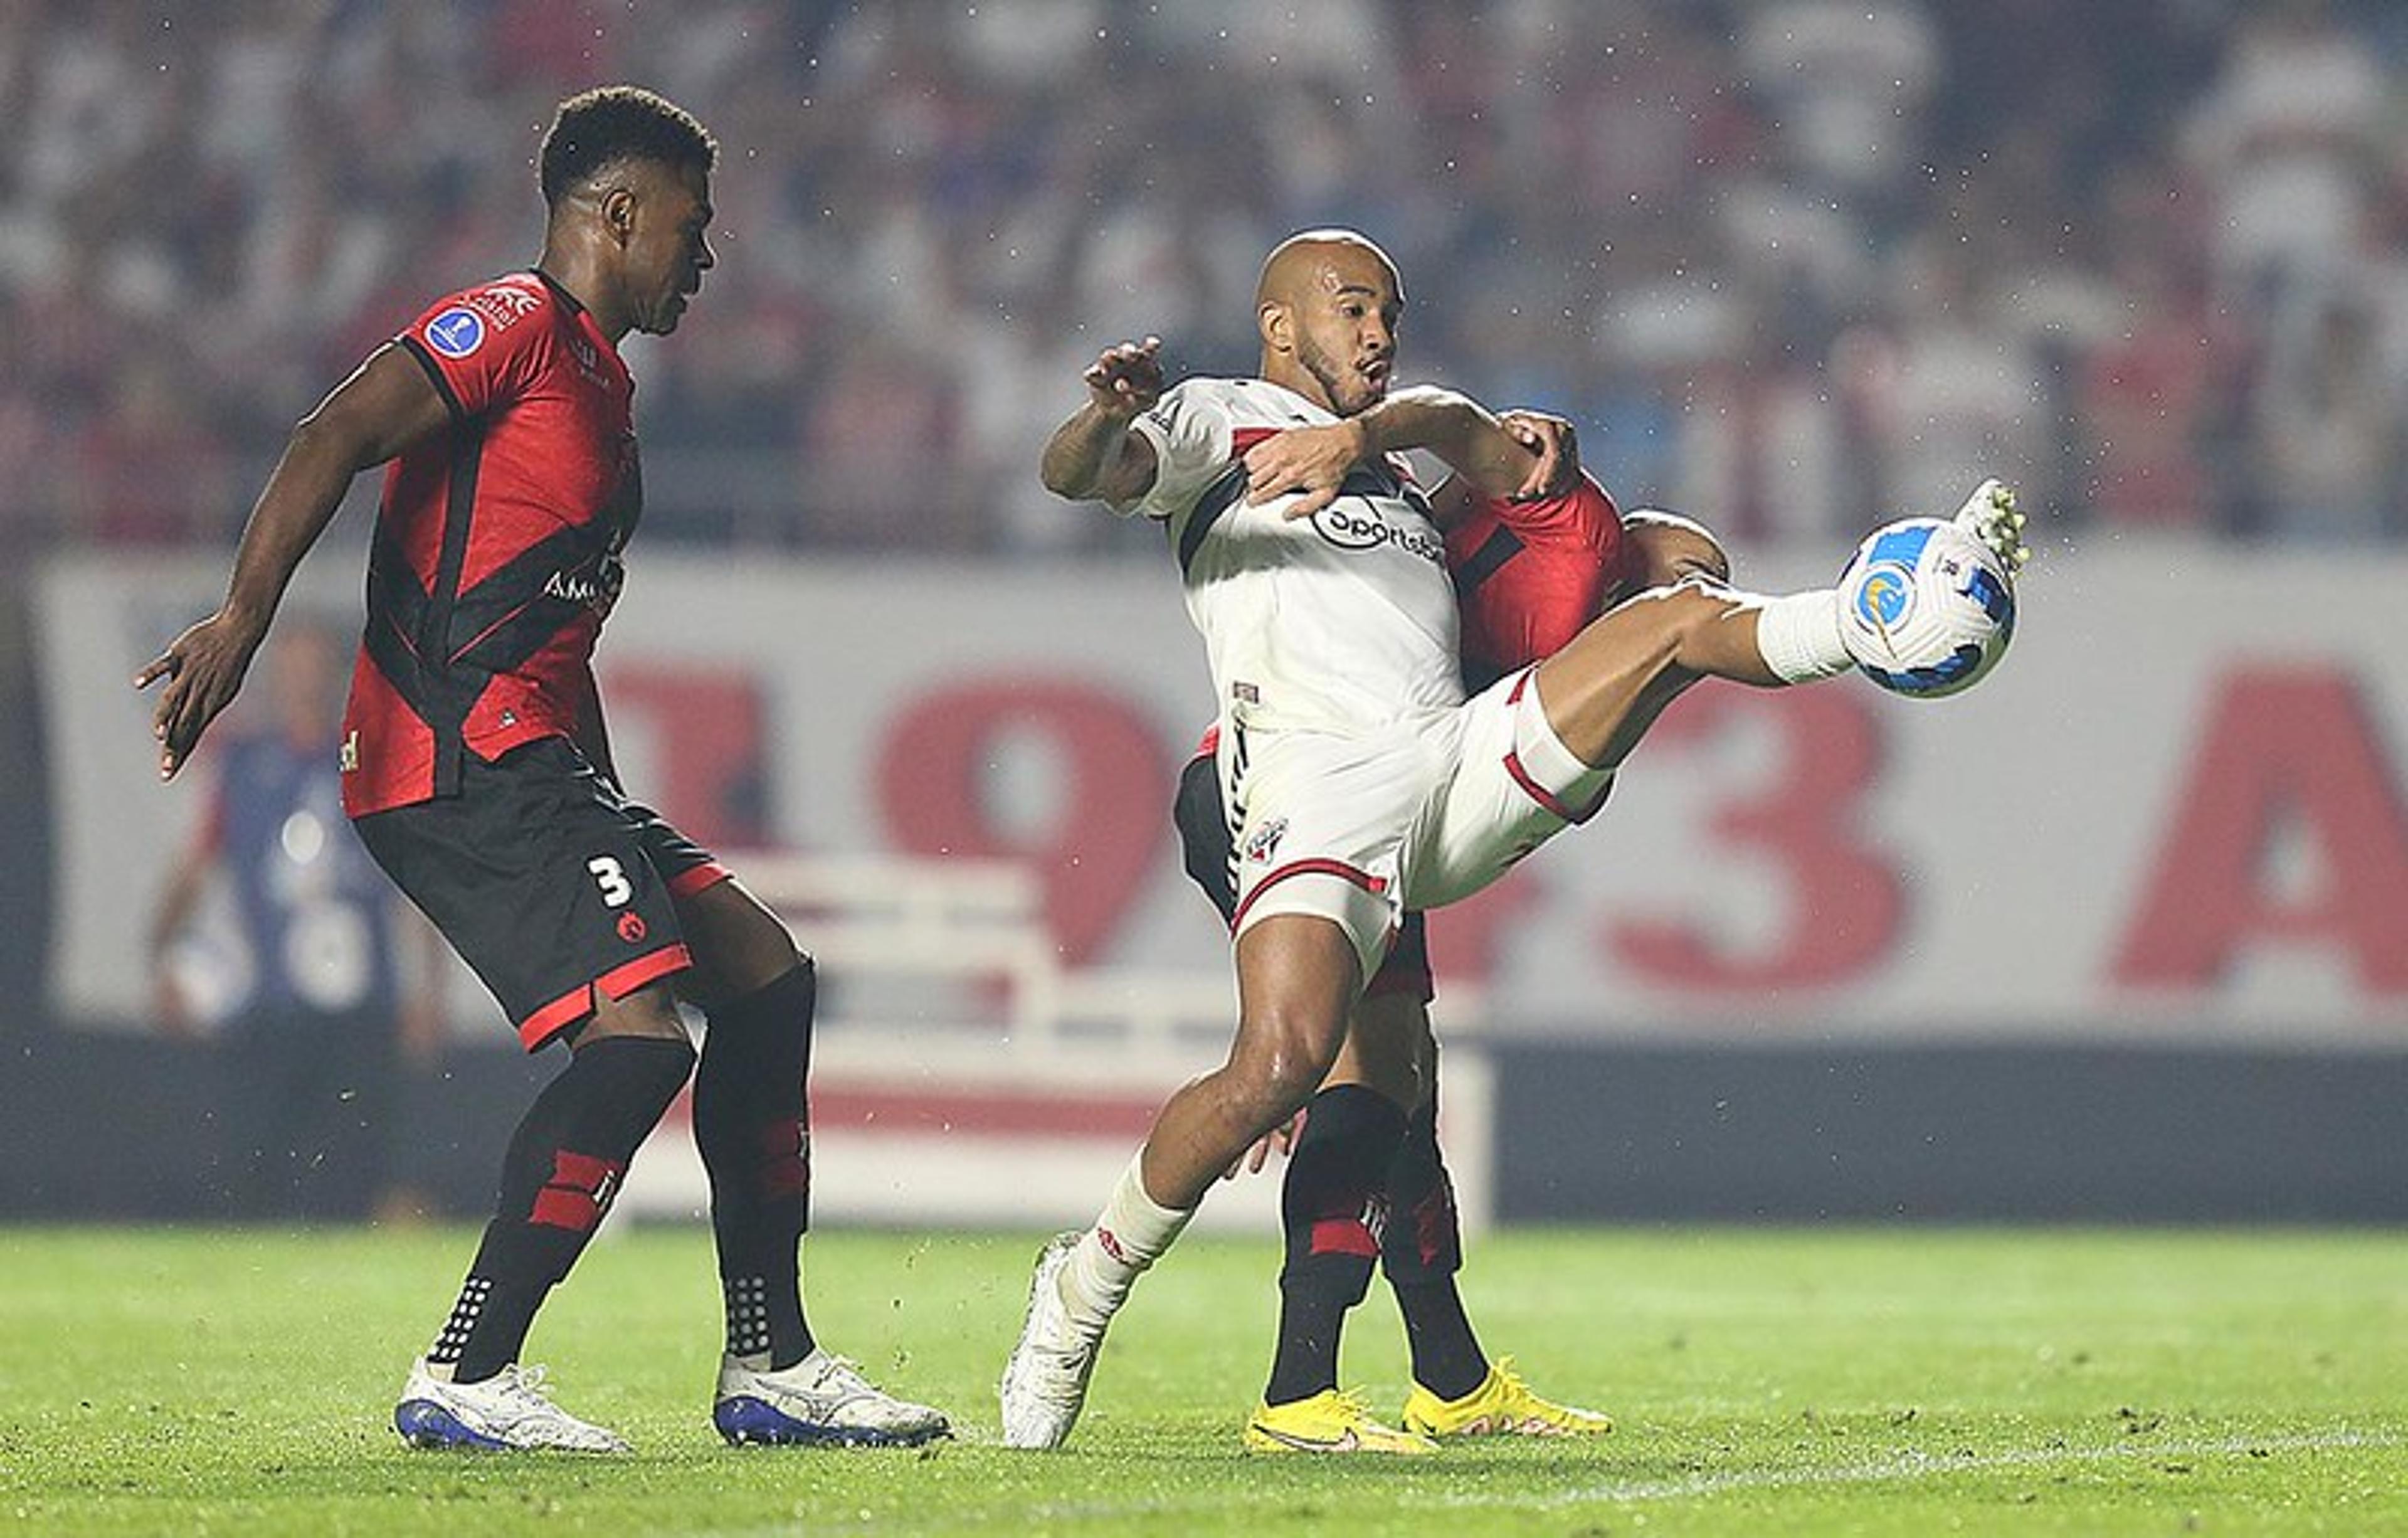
[(1130, 1235), (1799, 634)]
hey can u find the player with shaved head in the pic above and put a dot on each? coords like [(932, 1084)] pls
[(1360, 780)]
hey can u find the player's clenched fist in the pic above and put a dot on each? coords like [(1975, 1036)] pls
[(1128, 377)]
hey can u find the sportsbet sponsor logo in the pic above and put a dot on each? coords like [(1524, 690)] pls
[(1358, 526)]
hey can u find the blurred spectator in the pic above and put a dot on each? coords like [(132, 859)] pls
[(1951, 388), (2328, 428), (149, 470), (1746, 211), (2146, 398), (342, 987), (2288, 140)]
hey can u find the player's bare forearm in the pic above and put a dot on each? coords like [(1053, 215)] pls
[(1093, 456), (1458, 430), (386, 405), (299, 500), (1312, 463), (1088, 458)]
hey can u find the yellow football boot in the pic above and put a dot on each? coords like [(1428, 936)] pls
[(1502, 1405), (1330, 1421)]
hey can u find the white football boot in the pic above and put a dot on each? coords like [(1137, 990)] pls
[(821, 1399), (1991, 516), (1045, 1383), (508, 1412)]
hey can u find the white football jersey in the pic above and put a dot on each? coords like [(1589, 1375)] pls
[(1339, 621)]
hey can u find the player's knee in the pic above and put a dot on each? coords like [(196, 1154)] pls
[(1278, 1068)]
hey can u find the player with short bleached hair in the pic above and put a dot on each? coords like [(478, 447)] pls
[(1363, 783)]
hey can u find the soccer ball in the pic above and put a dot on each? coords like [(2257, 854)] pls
[(1926, 608)]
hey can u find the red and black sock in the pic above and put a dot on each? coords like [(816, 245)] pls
[(751, 1122), (1332, 1211), (1421, 1252), (564, 1165)]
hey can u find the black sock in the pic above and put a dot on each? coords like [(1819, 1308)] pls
[(1421, 1252), (564, 1165), (751, 1122), (1332, 1210)]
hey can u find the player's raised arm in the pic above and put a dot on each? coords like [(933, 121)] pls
[(1498, 460), (1093, 456), (386, 405)]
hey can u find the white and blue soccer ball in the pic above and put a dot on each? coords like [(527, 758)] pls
[(1926, 608)]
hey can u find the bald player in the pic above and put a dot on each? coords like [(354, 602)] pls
[(1361, 781)]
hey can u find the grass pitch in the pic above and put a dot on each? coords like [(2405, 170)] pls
[(1792, 1382)]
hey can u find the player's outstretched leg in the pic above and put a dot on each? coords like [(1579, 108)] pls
[(777, 1385)]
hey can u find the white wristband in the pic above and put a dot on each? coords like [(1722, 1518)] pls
[(1799, 634)]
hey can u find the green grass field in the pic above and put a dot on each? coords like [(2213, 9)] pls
[(1850, 1381)]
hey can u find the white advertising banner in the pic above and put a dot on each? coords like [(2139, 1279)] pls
[(2176, 812)]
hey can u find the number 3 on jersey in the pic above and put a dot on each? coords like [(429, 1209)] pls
[(612, 879)]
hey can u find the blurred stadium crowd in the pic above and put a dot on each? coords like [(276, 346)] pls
[(1789, 262)]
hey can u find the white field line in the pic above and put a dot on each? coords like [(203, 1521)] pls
[(1910, 1467), (1904, 1469)]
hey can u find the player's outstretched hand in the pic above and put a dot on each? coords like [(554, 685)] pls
[(1127, 378), (204, 668), (1991, 516), (1556, 443), (1311, 462)]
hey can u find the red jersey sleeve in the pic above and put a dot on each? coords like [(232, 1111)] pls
[(484, 346)]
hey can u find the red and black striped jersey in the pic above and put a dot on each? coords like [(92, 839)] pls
[(1528, 576), (496, 554)]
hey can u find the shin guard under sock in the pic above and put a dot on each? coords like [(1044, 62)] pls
[(564, 1165), (1421, 1252), (1333, 1208), (752, 1124)]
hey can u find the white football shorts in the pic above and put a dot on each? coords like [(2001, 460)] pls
[(1361, 829)]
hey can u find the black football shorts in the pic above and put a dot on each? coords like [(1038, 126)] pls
[(547, 880)]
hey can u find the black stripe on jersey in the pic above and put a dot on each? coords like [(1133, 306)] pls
[(417, 349), (509, 614), (1499, 548), (1218, 498), (1370, 481), (1365, 481), (434, 633), (398, 608)]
